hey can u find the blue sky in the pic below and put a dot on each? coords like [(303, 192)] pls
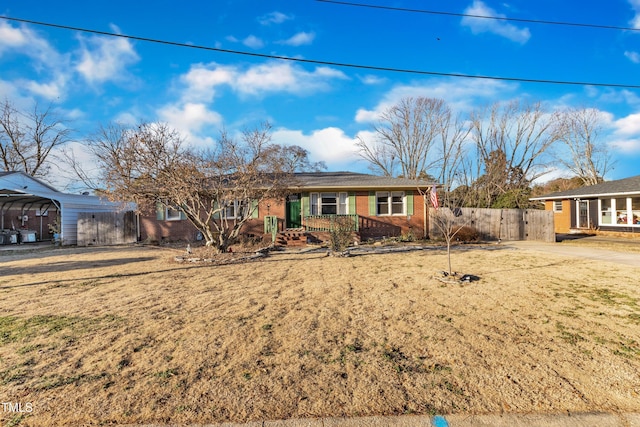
[(95, 79)]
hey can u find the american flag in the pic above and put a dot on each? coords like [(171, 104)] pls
[(434, 197)]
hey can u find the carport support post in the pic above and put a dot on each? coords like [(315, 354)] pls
[(59, 221)]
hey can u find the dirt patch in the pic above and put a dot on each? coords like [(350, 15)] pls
[(128, 335)]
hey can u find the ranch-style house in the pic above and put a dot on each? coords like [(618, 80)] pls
[(377, 207), (608, 206)]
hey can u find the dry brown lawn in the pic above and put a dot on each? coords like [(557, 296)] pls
[(127, 335)]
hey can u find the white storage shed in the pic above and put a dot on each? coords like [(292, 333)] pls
[(37, 205)]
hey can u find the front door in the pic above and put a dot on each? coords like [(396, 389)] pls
[(293, 217), (583, 214)]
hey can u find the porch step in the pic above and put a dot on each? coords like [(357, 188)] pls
[(292, 238)]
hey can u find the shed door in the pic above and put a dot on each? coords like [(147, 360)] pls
[(293, 216)]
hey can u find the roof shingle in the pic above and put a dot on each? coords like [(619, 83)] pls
[(609, 188)]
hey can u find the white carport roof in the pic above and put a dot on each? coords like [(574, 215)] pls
[(23, 192)]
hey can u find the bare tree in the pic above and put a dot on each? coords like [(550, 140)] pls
[(411, 138), (217, 190), (512, 142), (444, 214), (585, 155), (27, 139)]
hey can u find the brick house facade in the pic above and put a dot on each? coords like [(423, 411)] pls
[(378, 206)]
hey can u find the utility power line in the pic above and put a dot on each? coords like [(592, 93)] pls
[(322, 62), (467, 15)]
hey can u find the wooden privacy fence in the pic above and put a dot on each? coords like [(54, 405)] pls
[(106, 228), (503, 224)]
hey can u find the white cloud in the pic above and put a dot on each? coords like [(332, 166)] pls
[(127, 118), (27, 42), (190, 117), (51, 66), (498, 27), (104, 59), (202, 81), (11, 38), (633, 56), (285, 77), (370, 79), (195, 122), (299, 39), (629, 125), (461, 95), (612, 96), (329, 145), (626, 133), (635, 5), (628, 146), (253, 42), (274, 18), (52, 90)]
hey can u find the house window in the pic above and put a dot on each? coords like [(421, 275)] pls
[(635, 210), (314, 204), (606, 211), (620, 211), (557, 205), (235, 209), (390, 203), (622, 216), (173, 214), (329, 204)]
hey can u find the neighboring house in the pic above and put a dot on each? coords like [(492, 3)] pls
[(31, 210), (609, 206), (377, 206)]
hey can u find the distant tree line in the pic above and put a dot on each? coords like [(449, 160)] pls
[(492, 157)]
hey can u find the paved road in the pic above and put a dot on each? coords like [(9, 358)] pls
[(621, 257), (517, 420)]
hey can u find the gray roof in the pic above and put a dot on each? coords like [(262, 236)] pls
[(352, 180), (619, 187), (20, 173)]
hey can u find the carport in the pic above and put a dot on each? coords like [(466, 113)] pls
[(28, 206)]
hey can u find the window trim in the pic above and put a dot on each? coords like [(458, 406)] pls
[(390, 195), (616, 212), (316, 205), (169, 214), (555, 206), (235, 205)]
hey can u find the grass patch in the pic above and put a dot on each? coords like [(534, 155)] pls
[(613, 298), (55, 381), (570, 337), (16, 329), (628, 348)]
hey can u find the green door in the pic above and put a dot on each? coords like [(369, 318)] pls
[(294, 219)]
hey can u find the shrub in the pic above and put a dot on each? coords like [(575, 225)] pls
[(465, 233), (341, 235)]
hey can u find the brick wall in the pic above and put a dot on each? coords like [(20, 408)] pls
[(371, 226), (39, 224), (561, 220)]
